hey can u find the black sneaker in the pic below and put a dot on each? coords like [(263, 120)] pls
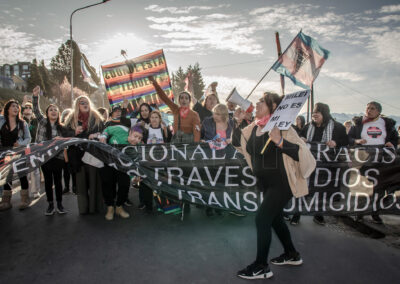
[(60, 209), (320, 220), (50, 210), (287, 259), (128, 203), (255, 271), (295, 220), (141, 206), (65, 190), (376, 219)]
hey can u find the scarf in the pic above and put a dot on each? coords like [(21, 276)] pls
[(184, 111), (84, 118), (366, 119), (263, 121), (326, 135)]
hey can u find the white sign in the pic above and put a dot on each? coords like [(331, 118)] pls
[(287, 111)]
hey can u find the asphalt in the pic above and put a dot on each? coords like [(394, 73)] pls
[(163, 249)]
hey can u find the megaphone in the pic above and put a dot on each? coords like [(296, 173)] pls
[(235, 98)]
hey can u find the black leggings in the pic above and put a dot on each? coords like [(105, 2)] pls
[(270, 215), (24, 184), (52, 175)]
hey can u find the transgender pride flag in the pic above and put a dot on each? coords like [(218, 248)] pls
[(302, 61)]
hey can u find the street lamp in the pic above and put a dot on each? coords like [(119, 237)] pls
[(70, 38)]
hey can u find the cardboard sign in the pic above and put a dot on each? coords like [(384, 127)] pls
[(287, 111)]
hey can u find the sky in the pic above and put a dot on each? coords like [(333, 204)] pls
[(233, 41)]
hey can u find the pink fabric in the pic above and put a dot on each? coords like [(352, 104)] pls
[(263, 121), (222, 134), (311, 67)]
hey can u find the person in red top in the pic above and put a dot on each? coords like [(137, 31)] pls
[(186, 121)]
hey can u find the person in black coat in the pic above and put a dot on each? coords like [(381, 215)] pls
[(359, 134), (323, 129), (373, 129)]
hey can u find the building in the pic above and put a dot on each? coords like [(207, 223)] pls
[(20, 69)]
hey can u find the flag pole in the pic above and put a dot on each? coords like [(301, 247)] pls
[(278, 46), (273, 65)]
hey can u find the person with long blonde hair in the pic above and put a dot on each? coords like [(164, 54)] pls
[(85, 121)]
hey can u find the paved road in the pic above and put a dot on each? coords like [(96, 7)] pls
[(162, 249)]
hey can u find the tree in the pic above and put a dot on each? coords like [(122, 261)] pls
[(178, 81), (61, 66), (47, 79), (35, 78), (197, 80)]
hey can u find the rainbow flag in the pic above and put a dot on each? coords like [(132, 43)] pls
[(302, 61), (128, 80)]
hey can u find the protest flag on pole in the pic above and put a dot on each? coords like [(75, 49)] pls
[(86, 75), (129, 80), (302, 61)]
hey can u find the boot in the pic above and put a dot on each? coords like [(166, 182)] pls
[(110, 213), (25, 202), (6, 200), (121, 212)]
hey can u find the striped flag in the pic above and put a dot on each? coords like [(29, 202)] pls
[(302, 61), (128, 80)]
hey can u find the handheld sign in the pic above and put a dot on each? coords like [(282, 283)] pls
[(286, 112)]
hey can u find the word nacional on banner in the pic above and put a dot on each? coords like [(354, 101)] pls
[(287, 111), (346, 181), (129, 80)]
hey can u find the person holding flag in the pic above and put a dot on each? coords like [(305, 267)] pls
[(287, 154)]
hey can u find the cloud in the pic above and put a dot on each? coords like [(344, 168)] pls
[(202, 34), (385, 45), (109, 15), (22, 46), (390, 9), (165, 20), (18, 9), (182, 10), (345, 76), (389, 18), (108, 50)]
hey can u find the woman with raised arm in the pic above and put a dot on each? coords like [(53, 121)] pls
[(14, 132), (281, 173), (50, 127), (186, 121)]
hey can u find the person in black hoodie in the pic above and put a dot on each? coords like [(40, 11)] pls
[(324, 129), (373, 129)]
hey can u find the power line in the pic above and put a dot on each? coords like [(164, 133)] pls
[(359, 93)]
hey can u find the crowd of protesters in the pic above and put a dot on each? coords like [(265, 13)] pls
[(100, 187)]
